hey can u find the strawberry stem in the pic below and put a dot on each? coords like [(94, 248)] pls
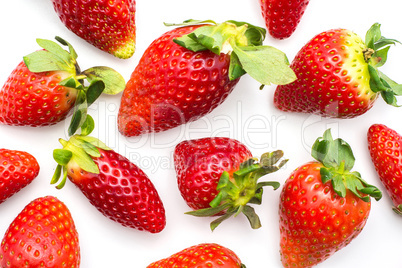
[(244, 43), (376, 55), (235, 193), (54, 58), (338, 159)]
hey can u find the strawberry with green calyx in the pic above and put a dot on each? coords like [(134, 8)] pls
[(116, 187), (323, 205), (188, 71), (244, 43), (385, 147), (108, 25), (338, 75), (218, 176), (236, 192), (48, 85)]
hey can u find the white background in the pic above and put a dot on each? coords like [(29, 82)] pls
[(248, 115)]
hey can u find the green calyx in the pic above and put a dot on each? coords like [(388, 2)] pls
[(101, 79), (237, 192), (338, 160), (376, 55), (244, 43), (398, 209), (79, 149)]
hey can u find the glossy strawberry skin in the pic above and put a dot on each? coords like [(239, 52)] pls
[(200, 163), (282, 17), (332, 78), (42, 235), (201, 256), (315, 222), (17, 170), (386, 154), (121, 192), (172, 85), (108, 25), (35, 99)]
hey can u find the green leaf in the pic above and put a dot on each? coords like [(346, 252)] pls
[(63, 180), (218, 221), (375, 82), (190, 22), (94, 91), (94, 141), (56, 175), (90, 149), (209, 37), (72, 82), (45, 61), (72, 51), (252, 217), (79, 114), (84, 161), (52, 58), (88, 126), (382, 42), (338, 184), (265, 64), (382, 55), (186, 42), (235, 68), (389, 98), (114, 81), (208, 212), (57, 51), (333, 153), (273, 184), (395, 87), (269, 159), (373, 35), (62, 157)]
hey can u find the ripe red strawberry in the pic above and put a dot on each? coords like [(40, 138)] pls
[(282, 17), (116, 187), (17, 170), (323, 205), (189, 71), (200, 256), (44, 88), (218, 176), (385, 146), (338, 76), (108, 25), (42, 235)]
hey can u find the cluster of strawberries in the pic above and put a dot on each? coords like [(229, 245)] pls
[(184, 75)]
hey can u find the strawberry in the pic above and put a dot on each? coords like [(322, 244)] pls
[(338, 76), (323, 205), (48, 85), (42, 235), (17, 170), (201, 255), (219, 176), (119, 189), (282, 17), (188, 71), (384, 145), (108, 25)]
